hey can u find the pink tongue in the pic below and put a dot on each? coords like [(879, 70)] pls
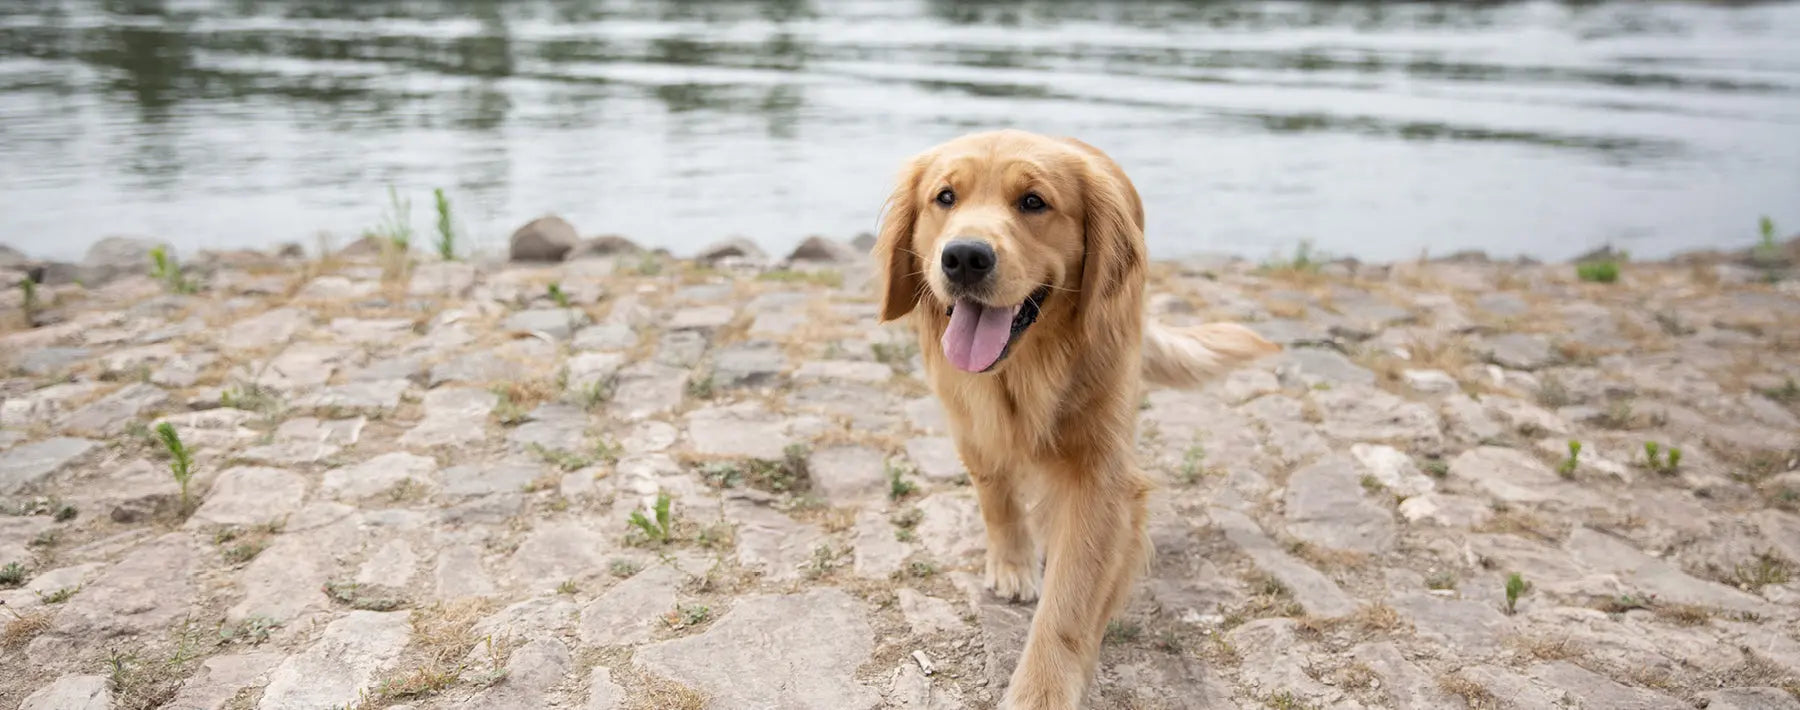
[(977, 334)]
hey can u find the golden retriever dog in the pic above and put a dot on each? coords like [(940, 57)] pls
[(1020, 259)]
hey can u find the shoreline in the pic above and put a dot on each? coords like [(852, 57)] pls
[(441, 483)]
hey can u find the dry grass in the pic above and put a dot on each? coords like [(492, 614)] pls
[(519, 397), (443, 636), (1518, 522), (1550, 647), (1470, 691), (652, 692), (1368, 619), (1683, 614), (1326, 557), (1269, 598), (22, 628)]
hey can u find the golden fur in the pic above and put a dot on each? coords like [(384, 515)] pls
[(1048, 433)]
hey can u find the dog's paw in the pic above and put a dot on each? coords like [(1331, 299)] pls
[(1012, 577)]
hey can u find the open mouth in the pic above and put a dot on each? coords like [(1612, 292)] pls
[(980, 336)]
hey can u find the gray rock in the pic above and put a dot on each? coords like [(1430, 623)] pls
[(285, 580), (392, 565), (844, 371), (1750, 699), (630, 611), (1598, 691), (1468, 422), (1502, 304), (345, 662), (605, 337), (531, 672), (39, 362), (459, 573), (71, 692), (548, 238), (558, 551), (750, 365), (1430, 381), (1316, 593), (269, 329), (1506, 474), (1520, 693), (558, 323), (1393, 469), (1520, 351), (251, 496), (221, 677), (736, 249), (1311, 366), (378, 475), (1363, 413), (453, 415), (1447, 510), (603, 693), (878, 553), (702, 318), (146, 592), (745, 429), (1405, 685), (822, 250), (797, 651), (335, 288), (110, 414), (1457, 624), (771, 542), (1274, 659), (444, 278), (646, 389), (1326, 506), (604, 246), (485, 479), (936, 458), (1601, 552), (366, 397), (929, 615), (950, 526), (383, 331), (681, 348), (848, 474), (27, 464), (115, 257)]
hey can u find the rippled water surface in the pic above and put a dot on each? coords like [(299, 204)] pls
[(1373, 129)]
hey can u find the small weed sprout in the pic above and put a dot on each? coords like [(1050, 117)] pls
[(659, 531), (1567, 469), (898, 487), (1515, 588), (1659, 459), (1605, 272), (165, 269), (29, 300), (59, 596), (12, 575), (1193, 464), (446, 244), (623, 568), (567, 587), (1766, 251), (181, 463), (1441, 580), (554, 290), (700, 387)]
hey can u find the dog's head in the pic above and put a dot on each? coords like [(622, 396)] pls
[(990, 227)]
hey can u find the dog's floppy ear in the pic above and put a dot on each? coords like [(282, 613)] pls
[(901, 270), (1112, 271)]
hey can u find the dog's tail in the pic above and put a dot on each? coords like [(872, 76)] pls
[(1191, 357)]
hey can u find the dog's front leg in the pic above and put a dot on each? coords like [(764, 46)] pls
[(1094, 518), (1012, 569)]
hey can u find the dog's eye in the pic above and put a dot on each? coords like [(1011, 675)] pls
[(946, 198), (1032, 203)]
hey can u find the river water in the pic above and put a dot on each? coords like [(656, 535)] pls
[(1376, 130)]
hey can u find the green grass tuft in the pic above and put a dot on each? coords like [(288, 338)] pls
[(446, 244), (1515, 587), (1605, 272), (181, 463)]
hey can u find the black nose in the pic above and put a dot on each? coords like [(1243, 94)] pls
[(967, 262)]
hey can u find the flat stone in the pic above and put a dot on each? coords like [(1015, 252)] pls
[(929, 615), (776, 324), (1447, 510), (734, 249), (1430, 381), (1520, 692), (603, 693), (753, 365), (27, 464), (554, 427), (45, 403), (1405, 684), (1393, 469), (606, 337), (745, 429), (372, 331), (335, 288), (844, 371), (367, 396), (345, 662), (459, 573), (39, 362), (878, 553), (148, 590), (1506, 474), (392, 565), (445, 278), (1502, 304), (558, 551), (797, 651), (1314, 366), (266, 330), (378, 475), (558, 323), (532, 670), (630, 611), (471, 368), (646, 389), (771, 542), (1469, 422), (1327, 506), (649, 437), (251, 495), (680, 348), (1362, 413), (1316, 593), (286, 579), (1520, 351), (299, 367), (221, 677), (1273, 659), (1750, 699), (936, 458), (589, 370), (848, 474), (1605, 553), (71, 692), (703, 318), (1457, 624), (453, 415), (486, 479), (110, 414), (1598, 691)]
